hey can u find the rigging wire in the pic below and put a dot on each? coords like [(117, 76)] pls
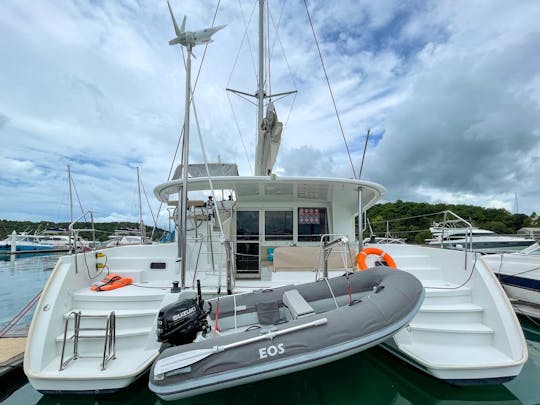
[(364, 154), (278, 40), (149, 206), (330, 89), (235, 119), (245, 39)]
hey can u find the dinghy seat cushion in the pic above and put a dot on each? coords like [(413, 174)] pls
[(298, 306), (267, 312)]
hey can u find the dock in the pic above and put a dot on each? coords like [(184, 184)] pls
[(11, 353)]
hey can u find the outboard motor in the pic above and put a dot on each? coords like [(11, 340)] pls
[(179, 322)]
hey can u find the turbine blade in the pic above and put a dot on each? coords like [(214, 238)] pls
[(176, 30), (183, 28)]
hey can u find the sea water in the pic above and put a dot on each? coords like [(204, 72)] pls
[(371, 377)]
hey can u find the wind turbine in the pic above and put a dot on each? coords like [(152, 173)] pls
[(188, 39), (191, 38)]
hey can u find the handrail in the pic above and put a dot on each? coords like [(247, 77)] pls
[(326, 248), (74, 233), (468, 228)]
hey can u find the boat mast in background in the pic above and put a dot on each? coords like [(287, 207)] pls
[(141, 223), (70, 196)]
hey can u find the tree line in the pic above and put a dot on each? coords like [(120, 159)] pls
[(411, 220), (103, 229)]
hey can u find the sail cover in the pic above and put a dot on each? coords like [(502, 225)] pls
[(270, 136)]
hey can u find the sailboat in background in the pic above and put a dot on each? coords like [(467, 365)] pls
[(130, 236), (51, 239)]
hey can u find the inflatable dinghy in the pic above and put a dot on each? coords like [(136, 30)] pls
[(243, 338)]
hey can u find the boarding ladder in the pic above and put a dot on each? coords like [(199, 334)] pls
[(109, 338)]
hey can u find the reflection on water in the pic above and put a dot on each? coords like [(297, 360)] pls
[(21, 278), (371, 377)]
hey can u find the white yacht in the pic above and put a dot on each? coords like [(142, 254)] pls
[(266, 231), (519, 274), (459, 234), (25, 243)]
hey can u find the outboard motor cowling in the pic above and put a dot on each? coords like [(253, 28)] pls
[(179, 322)]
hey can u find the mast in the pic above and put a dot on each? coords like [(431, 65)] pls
[(259, 170), (269, 129)]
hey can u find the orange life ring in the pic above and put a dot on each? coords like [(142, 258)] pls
[(361, 258)]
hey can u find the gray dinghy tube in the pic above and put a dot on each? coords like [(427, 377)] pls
[(267, 333)]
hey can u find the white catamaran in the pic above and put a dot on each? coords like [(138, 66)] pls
[(268, 231)]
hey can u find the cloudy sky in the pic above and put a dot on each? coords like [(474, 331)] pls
[(449, 89)]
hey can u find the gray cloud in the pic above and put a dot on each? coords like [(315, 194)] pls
[(450, 88), (4, 120)]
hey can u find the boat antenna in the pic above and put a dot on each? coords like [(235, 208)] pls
[(187, 39), (364, 154)]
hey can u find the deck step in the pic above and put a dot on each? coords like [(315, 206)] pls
[(451, 314), (451, 334), (99, 334), (125, 318), (125, 298), (91, 342), (421, 272), (120, 313), (445, 293), (465, 356), (126, 362)]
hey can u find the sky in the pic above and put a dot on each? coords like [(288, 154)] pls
[(450, 91)]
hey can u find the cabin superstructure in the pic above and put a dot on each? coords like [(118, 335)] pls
[(267, 216)]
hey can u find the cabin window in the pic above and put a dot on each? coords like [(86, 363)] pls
[(278, 225), (312, 223), (247, 246), (247, 225)]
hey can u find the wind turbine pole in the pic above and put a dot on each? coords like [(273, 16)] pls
[(188, 39), (182, 240)]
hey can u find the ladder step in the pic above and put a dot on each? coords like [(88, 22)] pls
[(119, 313), (90, 334)]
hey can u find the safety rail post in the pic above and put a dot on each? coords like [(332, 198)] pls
[(326, 249), (230, 266), (74, 234), (468, 232)]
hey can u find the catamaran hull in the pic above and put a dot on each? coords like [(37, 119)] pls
[(458, 376), (389, 300)]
